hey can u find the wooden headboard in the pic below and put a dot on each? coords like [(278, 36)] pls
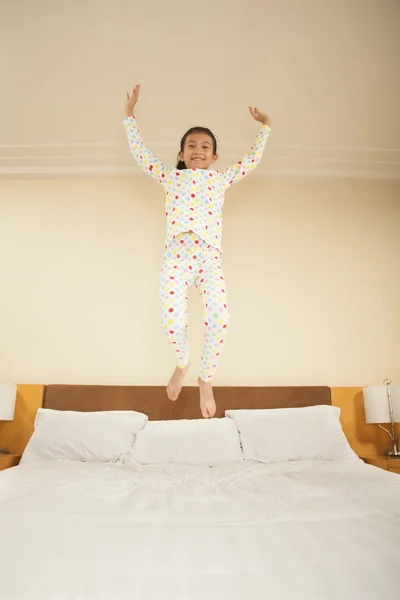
[(365, 439), (153, 401)]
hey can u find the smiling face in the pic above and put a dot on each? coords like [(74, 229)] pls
[(198, 151)]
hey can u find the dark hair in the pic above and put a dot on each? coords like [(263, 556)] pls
[(181, 165)]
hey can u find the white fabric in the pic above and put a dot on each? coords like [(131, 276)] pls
[(8, 397), (207, 442), (245, 531), (87, 436), (309, 433)]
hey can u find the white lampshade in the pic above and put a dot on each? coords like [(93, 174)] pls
[(8, 395), (376, 403)]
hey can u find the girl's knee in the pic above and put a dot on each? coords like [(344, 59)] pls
[(172, 328), (173, 320), (218, 319)]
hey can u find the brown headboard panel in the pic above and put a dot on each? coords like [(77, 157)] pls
[(153, 401)]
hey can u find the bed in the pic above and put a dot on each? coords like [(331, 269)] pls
[(246, 530)]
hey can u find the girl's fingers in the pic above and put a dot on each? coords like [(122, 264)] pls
[(135, 94)]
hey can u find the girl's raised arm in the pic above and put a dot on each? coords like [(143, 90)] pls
[(252, 159), (142, 155)]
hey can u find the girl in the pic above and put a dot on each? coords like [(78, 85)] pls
[(194, 200)]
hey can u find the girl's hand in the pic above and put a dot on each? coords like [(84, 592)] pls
[(259, 116), (131, 101)]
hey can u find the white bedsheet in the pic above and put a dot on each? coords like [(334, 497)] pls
[(92, 531)]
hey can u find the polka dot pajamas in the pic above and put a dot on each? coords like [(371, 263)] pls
[(186, 261), (193, 243)]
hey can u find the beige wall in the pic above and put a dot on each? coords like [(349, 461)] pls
[(325, 70), (312, 268)]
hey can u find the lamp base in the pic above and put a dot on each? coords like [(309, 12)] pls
[(393, 454)]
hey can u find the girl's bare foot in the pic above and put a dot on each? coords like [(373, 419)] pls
[(207, 402), (176, 382)]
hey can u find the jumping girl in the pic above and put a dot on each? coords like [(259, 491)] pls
[(193, 250)]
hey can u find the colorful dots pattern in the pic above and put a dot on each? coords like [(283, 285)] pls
[(194, 197), (189, 260)]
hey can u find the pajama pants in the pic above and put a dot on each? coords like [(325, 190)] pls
[(190, 260)]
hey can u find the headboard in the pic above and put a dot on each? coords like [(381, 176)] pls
[(153, 401)]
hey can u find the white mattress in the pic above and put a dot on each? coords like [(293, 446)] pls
[(312, 531)]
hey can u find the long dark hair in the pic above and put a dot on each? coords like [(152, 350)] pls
[(181, 165)]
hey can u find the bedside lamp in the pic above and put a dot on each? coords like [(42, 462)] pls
[(382, 405), (8, 395)]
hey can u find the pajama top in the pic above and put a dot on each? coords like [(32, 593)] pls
[(194, 197)]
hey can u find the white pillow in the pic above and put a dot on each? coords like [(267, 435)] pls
[(85, 436), (207, 442), (283, 434)]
